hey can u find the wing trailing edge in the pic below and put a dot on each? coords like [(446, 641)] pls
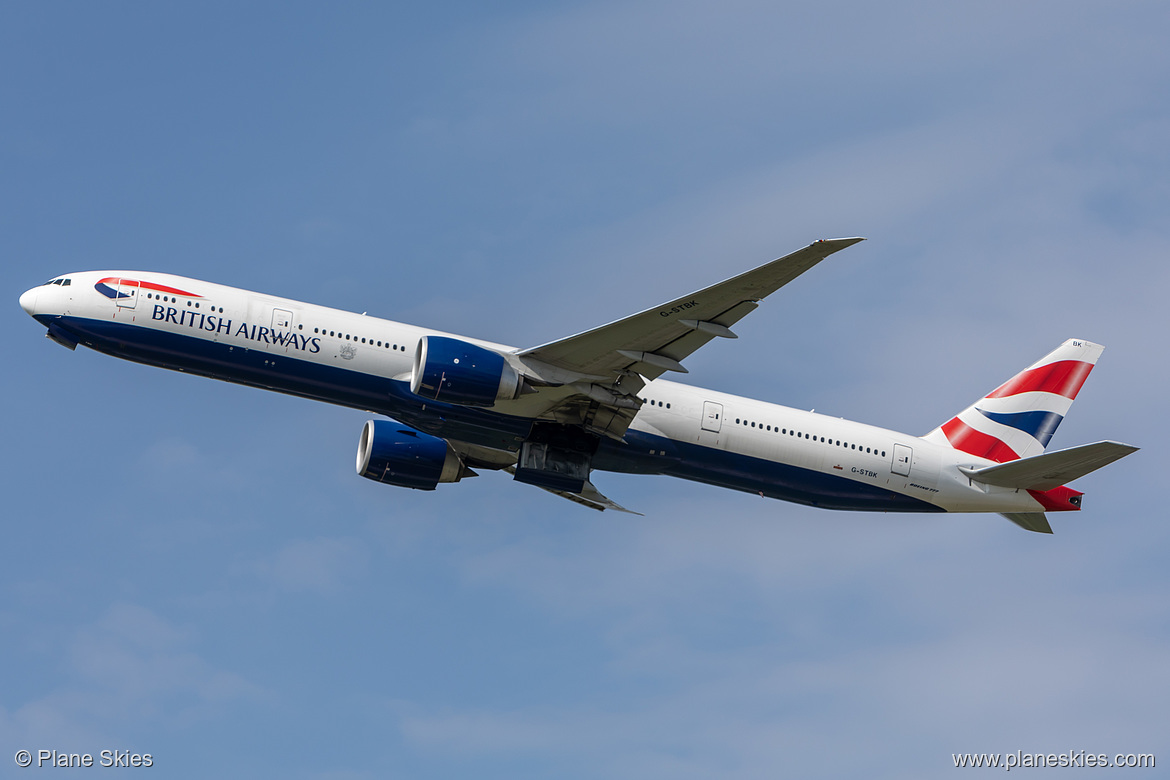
[(589, 496)]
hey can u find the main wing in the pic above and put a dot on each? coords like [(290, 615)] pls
[(607, 367), (656, 340)]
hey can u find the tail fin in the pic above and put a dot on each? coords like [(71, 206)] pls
[(1018, 418)]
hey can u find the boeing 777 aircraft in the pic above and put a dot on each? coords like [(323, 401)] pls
[(552, 414)]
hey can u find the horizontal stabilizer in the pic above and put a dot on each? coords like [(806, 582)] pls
[(1052, 469), (1030, 521)]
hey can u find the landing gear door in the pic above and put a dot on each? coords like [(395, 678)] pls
[(712, 416), (127, 293), (902, 457)]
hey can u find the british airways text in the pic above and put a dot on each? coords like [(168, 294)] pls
[(213, 324)]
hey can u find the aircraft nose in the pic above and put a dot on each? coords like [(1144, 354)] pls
[(28, 301)]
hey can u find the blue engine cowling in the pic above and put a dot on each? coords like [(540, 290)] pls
[(399, 455), (455, 372)]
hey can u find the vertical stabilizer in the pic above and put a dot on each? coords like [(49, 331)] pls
[(1018, 418)]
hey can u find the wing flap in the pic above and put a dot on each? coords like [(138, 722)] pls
[(1052, 469), (589, 496)]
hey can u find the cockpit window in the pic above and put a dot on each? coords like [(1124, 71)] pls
[(66, 283), (63, 282)]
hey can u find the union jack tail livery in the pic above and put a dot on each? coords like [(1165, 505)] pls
[(1018, 418)]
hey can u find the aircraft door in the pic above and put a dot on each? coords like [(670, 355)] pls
[(281, 329), (712, 416), (127, 293), (902, 457)]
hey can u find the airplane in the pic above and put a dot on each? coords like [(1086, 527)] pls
[(552, 414)]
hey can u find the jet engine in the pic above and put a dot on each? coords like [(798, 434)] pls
[(400, 455), (456, 372)]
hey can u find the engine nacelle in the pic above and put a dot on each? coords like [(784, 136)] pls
[(400, 455), (455, 372)]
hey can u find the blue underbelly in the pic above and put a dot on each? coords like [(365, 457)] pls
[(752, 475), (290, 374)]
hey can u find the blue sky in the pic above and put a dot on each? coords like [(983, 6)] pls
[(193, 569)]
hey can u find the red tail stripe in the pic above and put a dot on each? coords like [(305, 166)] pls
[(963, 437), (1063, 377)]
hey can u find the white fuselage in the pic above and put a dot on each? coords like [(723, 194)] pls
[(363, 362)]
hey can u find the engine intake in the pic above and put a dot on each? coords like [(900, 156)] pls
[(399, 455), (455, 372)]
